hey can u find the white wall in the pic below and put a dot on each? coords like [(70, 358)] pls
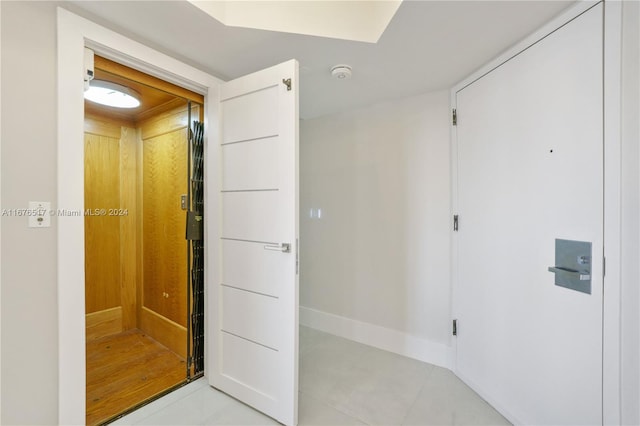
[(630, 274), (28, 293), (380, 253)]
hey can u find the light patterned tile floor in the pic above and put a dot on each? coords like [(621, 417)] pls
[(341, 383)]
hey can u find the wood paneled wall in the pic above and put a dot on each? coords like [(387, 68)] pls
[(165, 261), (136, 263), (164, 310), (129, 239), (102, 233), (110, 232)]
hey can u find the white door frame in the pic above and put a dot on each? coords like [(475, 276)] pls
[(612, 233), (74, 33)]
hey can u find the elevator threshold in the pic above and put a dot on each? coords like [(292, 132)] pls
[(126, 370)]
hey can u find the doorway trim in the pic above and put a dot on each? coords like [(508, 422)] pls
[(611, 339), (74, 33)]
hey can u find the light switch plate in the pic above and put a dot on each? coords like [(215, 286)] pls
[(39, 216)]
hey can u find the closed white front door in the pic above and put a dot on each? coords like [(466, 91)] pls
[(530, 171), (255, 336)]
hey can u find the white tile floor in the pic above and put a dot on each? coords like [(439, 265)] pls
[(341, 383)]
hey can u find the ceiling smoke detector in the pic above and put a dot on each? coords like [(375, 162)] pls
[(341, 72)]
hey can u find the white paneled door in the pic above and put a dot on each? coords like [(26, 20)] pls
[(256, 334), (530, 171)]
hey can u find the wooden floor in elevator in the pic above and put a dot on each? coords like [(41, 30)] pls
[(126, 369)]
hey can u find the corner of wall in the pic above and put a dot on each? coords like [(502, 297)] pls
[(376, 180)]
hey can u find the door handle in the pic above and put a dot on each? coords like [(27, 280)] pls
[(283, 247), (572, 267), (570, 272)]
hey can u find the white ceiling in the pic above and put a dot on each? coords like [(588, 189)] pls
[(429, 45)]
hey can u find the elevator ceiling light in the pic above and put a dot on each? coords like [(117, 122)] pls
[(112, 94)]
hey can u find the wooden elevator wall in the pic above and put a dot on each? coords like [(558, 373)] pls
[(110, 221), (136, 262)]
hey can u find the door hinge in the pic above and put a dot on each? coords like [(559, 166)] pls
[(455, 222), (297, 257), (455, 327), (287, 82), (604, 267), (454, 117)]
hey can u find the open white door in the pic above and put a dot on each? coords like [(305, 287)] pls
[(255, 335), (530, 171)]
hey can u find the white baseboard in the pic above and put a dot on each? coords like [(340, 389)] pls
[(378, 337)]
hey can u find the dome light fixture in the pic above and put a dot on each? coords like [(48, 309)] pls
[(112, 94), (341, 72)]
